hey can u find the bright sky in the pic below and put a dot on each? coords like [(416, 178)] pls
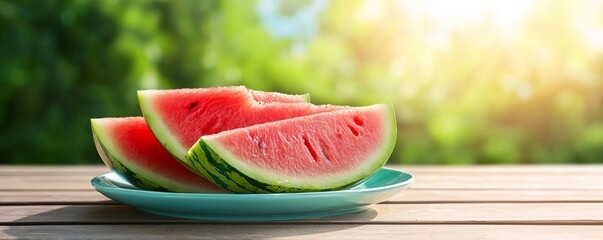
[(507, 16), (461, 13)]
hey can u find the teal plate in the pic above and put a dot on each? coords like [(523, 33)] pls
[(263, 207)]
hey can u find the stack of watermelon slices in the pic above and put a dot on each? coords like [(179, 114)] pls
[(232, 139)]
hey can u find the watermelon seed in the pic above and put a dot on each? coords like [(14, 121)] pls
[(354, 130), (310, 148), (256, 140), (193, 105), (261, 146), (358, 121)]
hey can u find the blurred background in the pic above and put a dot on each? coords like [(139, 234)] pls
[(472, 81)]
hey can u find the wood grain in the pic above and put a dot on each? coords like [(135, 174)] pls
[(302, 231), (79, 197), (51, 170), (52, 197), (493, 196), (527, 213), (459, 202), (586, 177)]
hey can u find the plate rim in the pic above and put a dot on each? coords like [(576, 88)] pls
[(348, 200), (97, 183)]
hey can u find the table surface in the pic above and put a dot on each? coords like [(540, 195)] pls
[(459, 202)]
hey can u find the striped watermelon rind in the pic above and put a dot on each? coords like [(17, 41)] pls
[(131, 161), (210, 165), (116, 166), (139, 177), (216, 163)]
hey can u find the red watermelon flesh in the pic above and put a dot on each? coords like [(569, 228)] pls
[(179, 117), (129, 148), (309, 153), (318, 144)]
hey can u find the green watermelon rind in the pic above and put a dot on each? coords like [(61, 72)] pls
[(159, 128), (122, 170), (111, 157), (210, 165), (139, 177), (217, 164)]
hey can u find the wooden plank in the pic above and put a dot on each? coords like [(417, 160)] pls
[(494, 182), (52, 170), (479, 195), (12, 180), (491, 181), (66, 197), (516, 182), (302, 231), (478, 213), (540, 202), (585, 177), (52, 198), (10, 183)]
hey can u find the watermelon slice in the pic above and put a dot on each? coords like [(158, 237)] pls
[(179, 117), (310, 153), (128, 147)]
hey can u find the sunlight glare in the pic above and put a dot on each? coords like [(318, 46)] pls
[(448, 15)]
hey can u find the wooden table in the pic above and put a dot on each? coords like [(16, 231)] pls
[(481, 202)]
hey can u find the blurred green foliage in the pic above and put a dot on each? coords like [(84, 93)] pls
[(464, 93)]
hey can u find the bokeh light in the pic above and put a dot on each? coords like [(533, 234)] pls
[(471, 81)]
